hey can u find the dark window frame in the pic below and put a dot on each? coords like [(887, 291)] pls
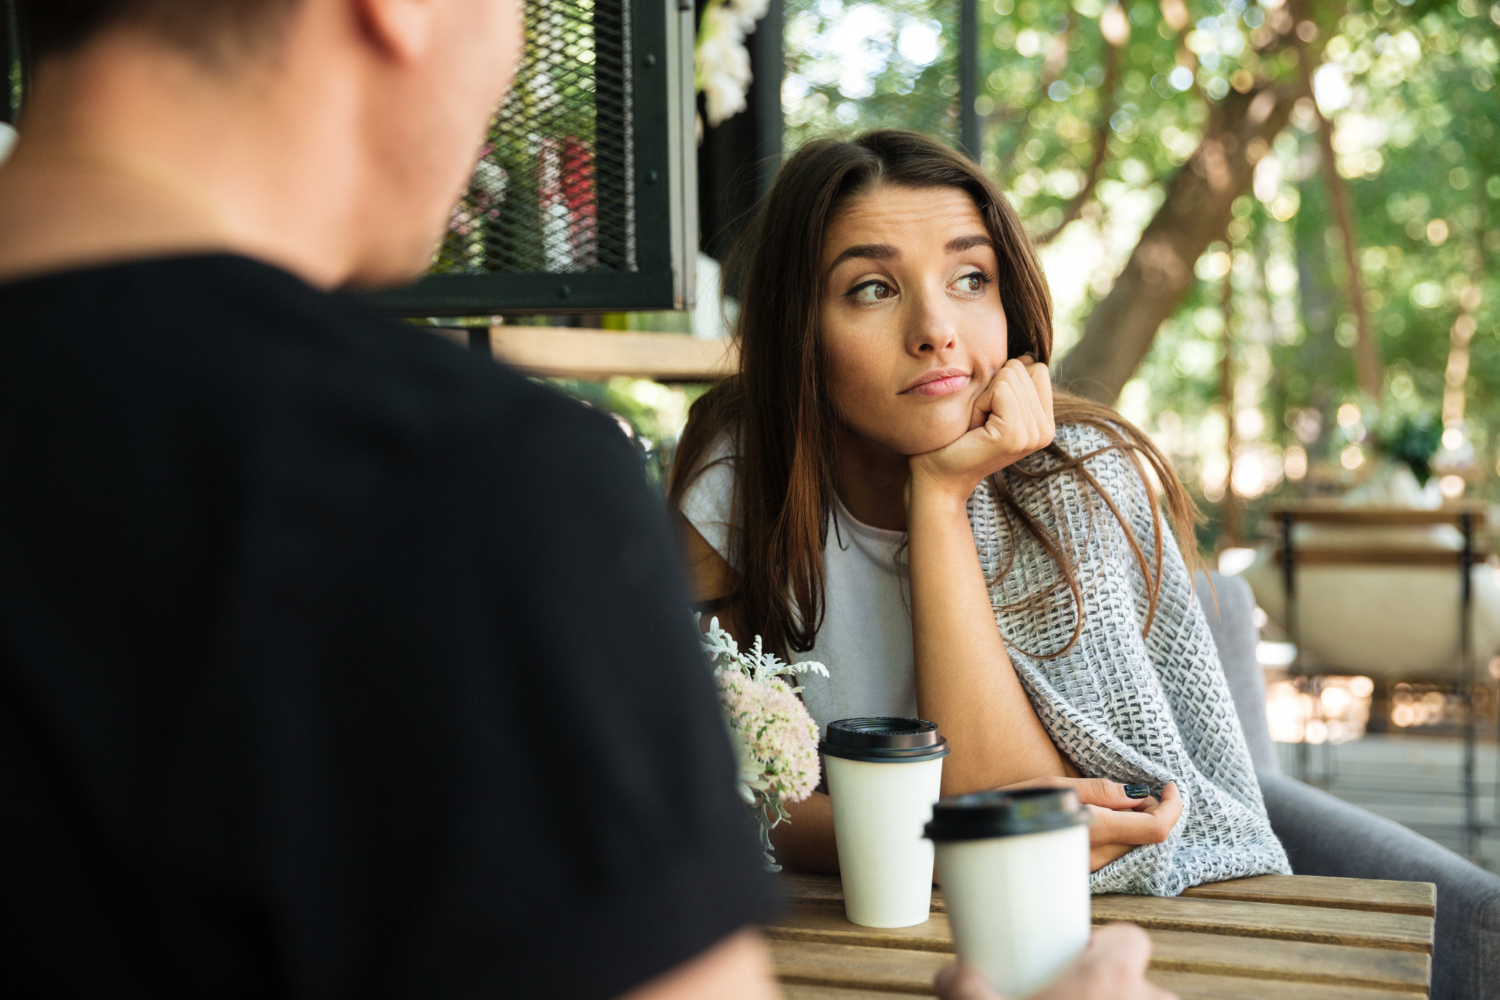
[(970, 127), (662, 35), (662, 39)]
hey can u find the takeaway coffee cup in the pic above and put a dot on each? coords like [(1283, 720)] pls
[(1014, 867), (884, 775)]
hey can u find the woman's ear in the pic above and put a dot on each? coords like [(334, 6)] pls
[(402, 29)]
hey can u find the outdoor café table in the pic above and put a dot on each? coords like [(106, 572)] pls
[(1275, 937)]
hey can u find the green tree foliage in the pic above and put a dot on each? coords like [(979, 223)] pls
[(1091, 109), (851, 67)]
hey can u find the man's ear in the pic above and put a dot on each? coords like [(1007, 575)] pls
[(401, 28)]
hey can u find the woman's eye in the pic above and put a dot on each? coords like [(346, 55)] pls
[(973, 282), (871, 291)]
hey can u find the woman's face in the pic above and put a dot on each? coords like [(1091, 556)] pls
[(913, 326)]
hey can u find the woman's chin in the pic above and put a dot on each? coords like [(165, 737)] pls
[(936, 426), (934, 438)]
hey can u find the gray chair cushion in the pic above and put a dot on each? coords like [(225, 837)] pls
[(1232, 621), (1325, 836)]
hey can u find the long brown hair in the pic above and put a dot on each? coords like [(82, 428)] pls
[(780, 414)]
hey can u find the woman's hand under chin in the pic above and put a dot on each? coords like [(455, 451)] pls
[(1012, 419)]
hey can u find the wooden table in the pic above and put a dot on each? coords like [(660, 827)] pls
[(1276, 937)]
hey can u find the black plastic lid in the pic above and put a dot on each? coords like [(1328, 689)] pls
[(1005, 814), (884, 739)]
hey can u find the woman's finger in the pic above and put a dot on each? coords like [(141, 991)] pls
[(1111, 794), (1169, 810), (1035, 420), (1038, 397), (1095, 791), (1041, 378), (1151, 825), (985, 404), (1116, 826), (1003, 418), (1028, 408)]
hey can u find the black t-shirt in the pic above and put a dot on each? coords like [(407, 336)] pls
[(335, 661)]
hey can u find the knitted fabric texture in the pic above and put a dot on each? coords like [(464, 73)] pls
[(1121, 705)]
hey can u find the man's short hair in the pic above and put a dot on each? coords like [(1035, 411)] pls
[(210, 28)]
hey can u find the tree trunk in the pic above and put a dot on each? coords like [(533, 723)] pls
[(1160, 271), (1233, 516), (1367, 364)]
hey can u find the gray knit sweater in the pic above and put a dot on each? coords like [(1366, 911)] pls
[(1123, 706)]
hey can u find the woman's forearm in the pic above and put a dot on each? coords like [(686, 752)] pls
[(805, 844), (965, 680)]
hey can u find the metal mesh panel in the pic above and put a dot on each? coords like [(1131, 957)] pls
[(553, 192)]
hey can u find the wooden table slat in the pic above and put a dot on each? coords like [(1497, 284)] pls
[(1323, 925), (801, 991), (843, 972), (1186, 986), (815, 922), (826, 889), (1192, 986), (819, 963), (1334, 939), (1417, 898), (1404, 972), (1179, 951)]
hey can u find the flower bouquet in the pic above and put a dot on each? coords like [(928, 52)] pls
[(775, 739)]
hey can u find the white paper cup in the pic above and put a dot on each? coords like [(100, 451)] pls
[(884, 775), (1014, 867)]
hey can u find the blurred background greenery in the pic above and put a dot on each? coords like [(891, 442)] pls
[(1275, 359)]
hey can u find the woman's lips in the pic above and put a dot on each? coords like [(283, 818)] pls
[(938, 382)]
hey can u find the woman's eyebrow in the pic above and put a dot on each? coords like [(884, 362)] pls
[(962, 243), (869, 251)]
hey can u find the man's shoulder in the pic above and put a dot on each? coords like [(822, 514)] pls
[(250, 345)]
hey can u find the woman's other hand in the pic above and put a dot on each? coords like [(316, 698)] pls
[(1121, 823), (1111, 967), (1012, 419)]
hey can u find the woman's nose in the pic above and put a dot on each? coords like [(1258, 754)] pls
[(932, 327)]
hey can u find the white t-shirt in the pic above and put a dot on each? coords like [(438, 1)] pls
[(865, 641)]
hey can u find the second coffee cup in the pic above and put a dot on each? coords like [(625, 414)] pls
[(884, 774), (1015, 873)]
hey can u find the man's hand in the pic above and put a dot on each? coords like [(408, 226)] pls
[(1012, 419), (1112, 967)]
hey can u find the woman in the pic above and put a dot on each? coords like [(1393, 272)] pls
[(889, 485)]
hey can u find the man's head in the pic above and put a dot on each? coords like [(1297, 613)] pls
[(212, 28), (378, 106)]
